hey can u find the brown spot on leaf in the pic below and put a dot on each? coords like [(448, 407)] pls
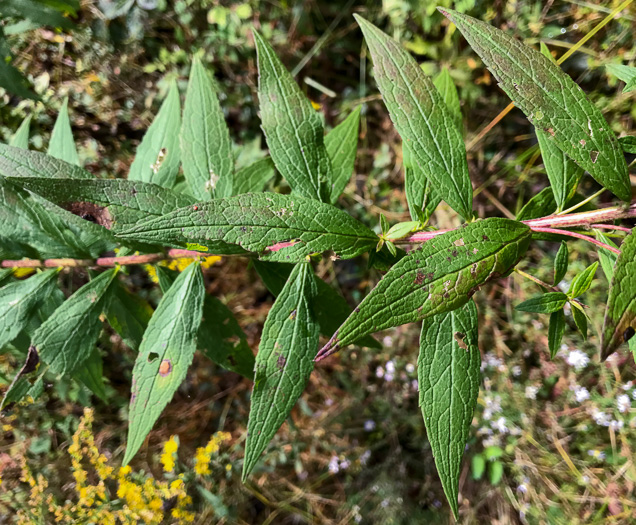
[(550, 131), (459, 337), (280, 245), (593, 156), (281, 362), (165, 367), (419, 278), (90, 212), (459, 242), (292, 315), (485, 237)]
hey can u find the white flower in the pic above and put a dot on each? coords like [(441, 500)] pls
[(627, 385), (616, 425), (345, 464), (516, 370), (365, 457), (334, 466), (388, 377), (379, 372), (577, 359), (369, 425), (600, 418), (500, 425), (387, 341), (328, 401), (623, 403), (634, 394), (414, 384), (531, 392), (523, 489), (390, 367), (581, 393), (410, 368)]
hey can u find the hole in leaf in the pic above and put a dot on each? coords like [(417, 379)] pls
[(152, 356)]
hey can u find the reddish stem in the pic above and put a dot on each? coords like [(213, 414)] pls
[(578, 236), (612, 227)]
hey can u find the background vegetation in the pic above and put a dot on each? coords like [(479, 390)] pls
[(552, 441)]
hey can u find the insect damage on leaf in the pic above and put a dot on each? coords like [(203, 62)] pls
[(91, 212)]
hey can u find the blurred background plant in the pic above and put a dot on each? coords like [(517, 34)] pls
[(552, 440)]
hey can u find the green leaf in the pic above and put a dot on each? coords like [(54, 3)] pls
[(128, 314), (35, 11), (252, 178), (564, 174), (284, 361), (67, 338), (384, 224), (421, 198), (421, 118), (448, 374), (606, 257), (556, 329), (401, 230), (17, 162), (626, 73), (91, 373), (62, 145), (446, 87), (544, 304), (27, 382), (115, 204), (439, 277), (165, 354), (283, 228), (553, 102), (342, 146), (220, 338), (495, 471), (206, 150), (620, 315), (32, 227), (561, 263), (20, 138), (293, 129), (478, 466), (330, 308), (580, 320), (541, 205), (628, 143), (582, 282), (17, 301), (158, 155)]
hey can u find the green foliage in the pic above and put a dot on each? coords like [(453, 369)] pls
[(59, 215)]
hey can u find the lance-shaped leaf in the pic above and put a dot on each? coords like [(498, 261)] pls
[(128, 314), (556, 329), (206, 150), (165, 354), (446, 87), (16, 162), (62, 145), (220, 338), (252, 178), (626, 73), (582, 282), (284, 361), (448, 379), (561, 263), (552, 101), (17, 301), (29, 227), (293, 129), (283, 228), (605, 257), (116, 204), (330, 308), (564, 174), (20, 138), (620, 315), (342, 145), (546, 303), (68, 337), (439, 277), (420, 196), (158, 155), (421, 118)]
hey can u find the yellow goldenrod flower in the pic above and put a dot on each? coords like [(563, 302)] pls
[(170, 448)]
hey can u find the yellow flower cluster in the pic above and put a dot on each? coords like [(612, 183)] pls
[(170, 448), (139, 498), (204, 454), (180, 264)]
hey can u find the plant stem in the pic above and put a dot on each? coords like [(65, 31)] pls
[(536, 280), (577, 236), (582, 203), (612, 227), (103, 261)]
